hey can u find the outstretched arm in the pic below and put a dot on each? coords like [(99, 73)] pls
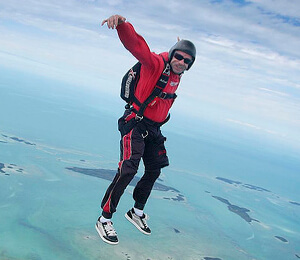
[(113, 21), (132, 41)]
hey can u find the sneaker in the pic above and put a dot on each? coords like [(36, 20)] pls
[(107, 232), (139, 222)]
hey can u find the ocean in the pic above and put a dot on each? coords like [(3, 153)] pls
[(232, 199)]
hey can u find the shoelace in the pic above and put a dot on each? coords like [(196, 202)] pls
[(144, 221), (109, 229)]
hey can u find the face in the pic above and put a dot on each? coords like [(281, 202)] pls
[(180, 62)]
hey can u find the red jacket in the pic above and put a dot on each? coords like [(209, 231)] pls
[(152, 67)]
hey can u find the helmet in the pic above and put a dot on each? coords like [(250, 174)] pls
[(185, 46)]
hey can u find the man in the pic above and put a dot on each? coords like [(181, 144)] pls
[(142, 139)]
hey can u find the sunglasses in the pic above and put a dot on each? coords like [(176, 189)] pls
[(178, 56)]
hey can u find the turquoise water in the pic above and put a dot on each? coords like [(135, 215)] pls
[(48, 212)]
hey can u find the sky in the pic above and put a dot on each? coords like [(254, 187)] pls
[(246, 75)]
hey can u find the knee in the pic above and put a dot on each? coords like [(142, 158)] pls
[(130, 166), (153, 174)]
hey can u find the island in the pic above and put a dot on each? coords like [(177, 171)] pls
[(11, 168), (179, 197), (176, 230), (252, 187), (211, 258), (282, 239), (228, 180), (108, 174), (247, 186), (242, 212), (17, 139), (295, 203), (2, 166)]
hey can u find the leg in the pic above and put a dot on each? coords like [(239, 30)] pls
[(132, 149), (143, 188), (154, 158)]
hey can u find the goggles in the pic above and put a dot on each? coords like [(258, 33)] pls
[(178, 56)]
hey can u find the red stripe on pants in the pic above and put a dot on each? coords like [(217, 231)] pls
[(126, 155), (127, 151)]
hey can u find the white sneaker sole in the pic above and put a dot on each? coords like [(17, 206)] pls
[(136, 225), (105, 240)]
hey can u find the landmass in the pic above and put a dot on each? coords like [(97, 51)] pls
[(242, 212), (176, 230), (252, 187), (295, 203), (17, 139), (7, 169), (2, 166), (228, 181), (108, 174), (179, 197), (248, 186), (282, 239)]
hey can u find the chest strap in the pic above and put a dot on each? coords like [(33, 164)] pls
[(157, 91)]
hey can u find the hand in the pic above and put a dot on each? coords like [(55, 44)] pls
[(113, 21)]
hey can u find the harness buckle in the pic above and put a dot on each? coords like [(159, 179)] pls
[(138, 118), (144, 135), (163, 95)]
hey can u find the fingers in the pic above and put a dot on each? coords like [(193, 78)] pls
[(110, 22), (113, 21), (103, 22)]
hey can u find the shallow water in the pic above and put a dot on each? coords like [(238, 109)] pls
[(49, 212)]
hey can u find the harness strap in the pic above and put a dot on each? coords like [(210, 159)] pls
[(165, 95), (158, 89), (149, 121), (162, 95)]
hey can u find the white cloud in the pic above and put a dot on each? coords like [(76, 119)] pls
[(244, 124), (288, 8), (248, 62), (275, 92)]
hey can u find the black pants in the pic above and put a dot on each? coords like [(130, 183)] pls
[(145, 141)]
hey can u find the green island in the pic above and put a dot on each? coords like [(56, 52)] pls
[(242, 212)]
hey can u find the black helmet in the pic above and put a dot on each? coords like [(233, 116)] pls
[(185, 46)]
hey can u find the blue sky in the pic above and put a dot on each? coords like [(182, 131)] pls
[(247, 70)]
